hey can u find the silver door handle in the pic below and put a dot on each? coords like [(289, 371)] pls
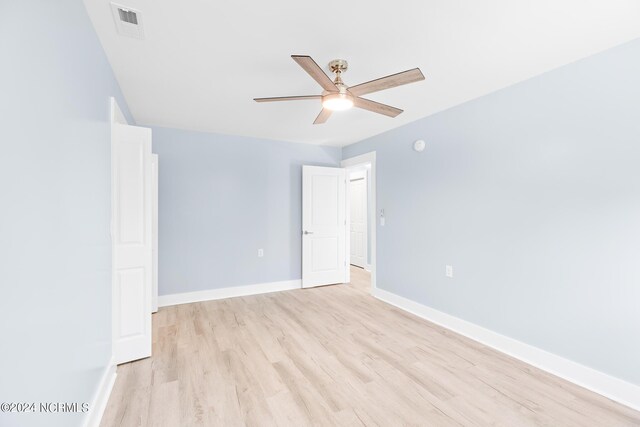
[(307, 232)]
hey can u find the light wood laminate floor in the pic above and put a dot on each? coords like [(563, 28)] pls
[(335, 356)]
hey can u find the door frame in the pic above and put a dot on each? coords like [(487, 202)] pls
[(350, 164), (154, 232)]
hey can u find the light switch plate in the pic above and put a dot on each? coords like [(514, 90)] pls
[(260, 253), (449, 271)]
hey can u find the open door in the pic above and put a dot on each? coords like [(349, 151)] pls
[(131, 170), (324, 257)]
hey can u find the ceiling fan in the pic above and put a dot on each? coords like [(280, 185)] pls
[(337, 96)]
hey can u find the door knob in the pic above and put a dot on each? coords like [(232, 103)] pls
[(307, 232)]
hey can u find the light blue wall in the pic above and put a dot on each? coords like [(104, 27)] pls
[(532, 193), (55, 253), (224, 197)]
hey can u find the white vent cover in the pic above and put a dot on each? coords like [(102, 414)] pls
[(128, 21)]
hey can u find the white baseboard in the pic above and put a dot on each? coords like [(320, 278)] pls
[(99, 402), (230, 292), (614, 388)]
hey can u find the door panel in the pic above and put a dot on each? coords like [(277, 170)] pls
[(324, 253), (130, 193), (324, 200), (323, 222), (132, 242), (130, 296)]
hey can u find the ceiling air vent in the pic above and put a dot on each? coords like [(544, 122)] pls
[(128, 16), (128, 21)]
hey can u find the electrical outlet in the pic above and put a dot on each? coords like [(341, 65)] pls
[(260, 253), (449, 271)]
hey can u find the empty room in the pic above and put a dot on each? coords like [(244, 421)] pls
[(338, 213)]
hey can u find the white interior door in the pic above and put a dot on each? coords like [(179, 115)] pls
[(154, 232), (132, 242), (358, 218), (324, 259)]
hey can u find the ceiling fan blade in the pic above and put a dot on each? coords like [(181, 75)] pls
[(314, 70), (322, 117), (376, 107), (399, 79), (287, 98)]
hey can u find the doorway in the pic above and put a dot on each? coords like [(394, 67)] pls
[(361, 220), (326, 224), (358, 232)]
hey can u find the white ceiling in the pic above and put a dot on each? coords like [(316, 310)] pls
[(203, 61)]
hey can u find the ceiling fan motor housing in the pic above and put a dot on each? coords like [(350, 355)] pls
[(342, 100), (338, 66)]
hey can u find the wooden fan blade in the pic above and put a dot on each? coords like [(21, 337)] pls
[(376, 107), (322, 117), (287, 98), (314, 70), (399, 79)]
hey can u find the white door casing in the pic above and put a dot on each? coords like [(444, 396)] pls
[(131, 185), (358, 218), (324, 259), (154, 232)]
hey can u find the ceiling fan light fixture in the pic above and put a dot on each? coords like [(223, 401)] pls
[(337, 96), (337, 101)]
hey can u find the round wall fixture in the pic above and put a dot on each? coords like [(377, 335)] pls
[(419, 145)]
